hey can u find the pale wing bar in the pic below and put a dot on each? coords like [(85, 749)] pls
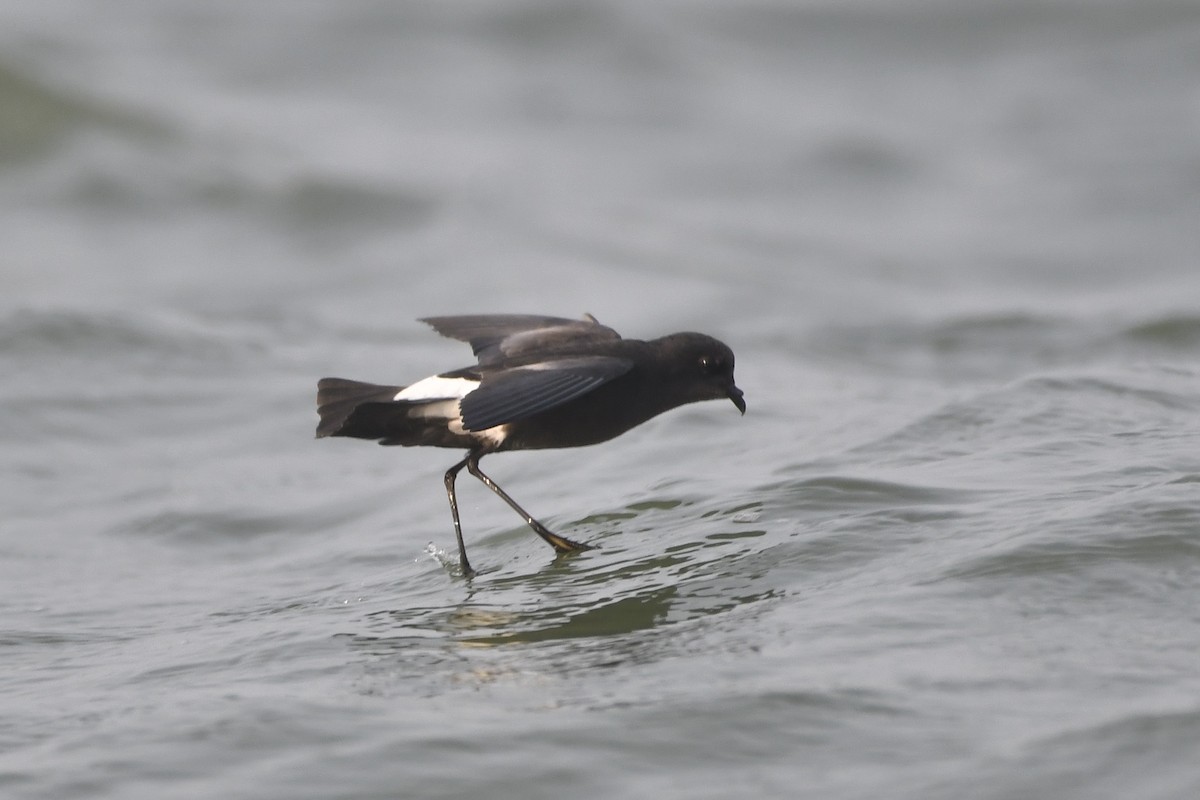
[(520, 393)]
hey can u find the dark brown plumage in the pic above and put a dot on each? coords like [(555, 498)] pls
[(540, 382)]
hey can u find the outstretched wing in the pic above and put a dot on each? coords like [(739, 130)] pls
[(515, 394), (495, 337)]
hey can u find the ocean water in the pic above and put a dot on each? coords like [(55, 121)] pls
[(952, 550)]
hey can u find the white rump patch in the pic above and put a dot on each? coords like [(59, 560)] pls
[(438, 388), (449, 391)]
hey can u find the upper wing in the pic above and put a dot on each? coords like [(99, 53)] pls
[(514, 394), (494, 337)]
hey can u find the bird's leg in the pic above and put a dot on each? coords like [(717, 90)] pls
[(451, 474), (560, 543)]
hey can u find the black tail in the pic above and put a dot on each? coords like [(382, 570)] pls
[(337, 399)]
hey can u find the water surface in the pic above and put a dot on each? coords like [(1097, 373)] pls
[(951, 551)]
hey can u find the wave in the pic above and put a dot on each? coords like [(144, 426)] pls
[(1080, 407), (1169, 331), (63, 333), (990, 345)]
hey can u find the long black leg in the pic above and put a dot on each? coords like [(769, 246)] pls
[(451, 474), (559, 543)]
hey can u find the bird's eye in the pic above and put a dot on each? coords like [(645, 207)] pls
[(710, 365)]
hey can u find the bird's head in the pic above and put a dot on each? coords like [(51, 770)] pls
[(700, 367)]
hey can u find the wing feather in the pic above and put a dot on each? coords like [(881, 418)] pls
[(516, 394), (495, 337)]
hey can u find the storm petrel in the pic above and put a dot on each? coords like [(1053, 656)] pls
[(540, 382)]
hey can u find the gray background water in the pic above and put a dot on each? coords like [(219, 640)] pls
[(952, 551)]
